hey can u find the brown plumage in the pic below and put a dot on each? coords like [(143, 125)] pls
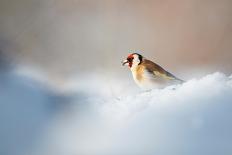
[(157, 70), (149, 74)]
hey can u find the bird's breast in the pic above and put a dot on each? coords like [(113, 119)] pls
[(142, 78), (147, 80), (138, 76)]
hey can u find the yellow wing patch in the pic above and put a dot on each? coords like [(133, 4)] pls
[(163, 75)]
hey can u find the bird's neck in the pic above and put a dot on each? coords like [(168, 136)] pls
[(137, 72), (134, 67)]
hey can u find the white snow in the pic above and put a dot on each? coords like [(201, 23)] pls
[(112, 117), (193, 118)]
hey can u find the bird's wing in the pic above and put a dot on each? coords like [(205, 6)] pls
[(158, 71)]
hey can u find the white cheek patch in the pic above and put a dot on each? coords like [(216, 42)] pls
[(135, 62)]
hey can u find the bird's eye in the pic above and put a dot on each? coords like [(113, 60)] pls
[(130, 59)]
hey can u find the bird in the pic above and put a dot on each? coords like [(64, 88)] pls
[(147, 74)]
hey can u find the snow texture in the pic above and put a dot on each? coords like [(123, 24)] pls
[(93, 117)]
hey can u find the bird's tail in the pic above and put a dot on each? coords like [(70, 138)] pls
[(174, 77), (179, 80)]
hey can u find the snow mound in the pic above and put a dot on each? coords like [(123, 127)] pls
[(192, 118), (89, 116)]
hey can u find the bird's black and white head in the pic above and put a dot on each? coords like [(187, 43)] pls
[(133, 60)]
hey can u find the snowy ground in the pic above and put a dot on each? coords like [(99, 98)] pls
[(93, 117)]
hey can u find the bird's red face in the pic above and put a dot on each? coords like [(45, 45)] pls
[(129, 60)]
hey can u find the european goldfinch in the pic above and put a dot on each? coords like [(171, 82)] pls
[(148, 74)]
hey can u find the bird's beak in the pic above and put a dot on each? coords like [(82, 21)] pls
[(124, 62)]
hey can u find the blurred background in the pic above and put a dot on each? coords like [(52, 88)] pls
[(63, 37), (59, 59)]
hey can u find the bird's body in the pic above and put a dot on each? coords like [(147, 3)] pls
[(148, 74)]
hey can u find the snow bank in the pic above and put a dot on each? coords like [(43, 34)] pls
[(101, 117), (193, 118)]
